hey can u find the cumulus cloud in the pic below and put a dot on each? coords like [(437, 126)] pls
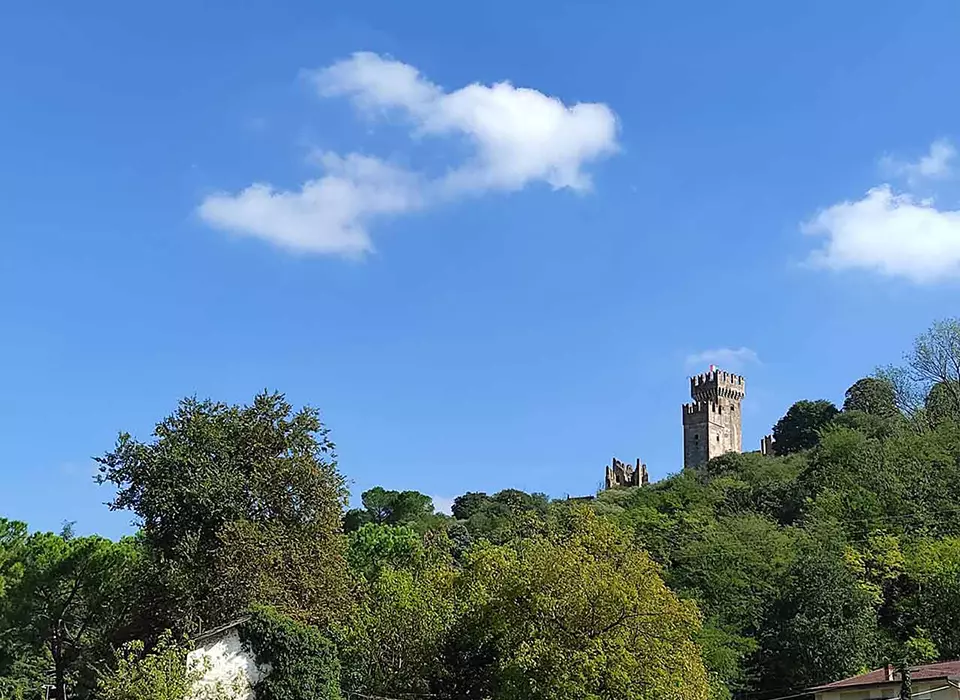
[(327, 215), (935, 165), (518, 136), (893, 234), (726, 358), (890, 232)]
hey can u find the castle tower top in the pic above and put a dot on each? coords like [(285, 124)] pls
[(711, 424), (715, 384)]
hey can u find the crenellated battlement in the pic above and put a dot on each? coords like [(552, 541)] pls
[(716, 384), (699, 408)]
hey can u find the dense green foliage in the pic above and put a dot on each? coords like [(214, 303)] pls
[(872, 395), (837, 556), (800, 428), (62, 604), (383, 507), (240, 505), (751, 576), (159, 674), (303, 663), (570, 609)]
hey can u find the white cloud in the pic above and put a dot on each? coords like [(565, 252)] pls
[(518, 136), (935, 165), (894, 234), (375, 82), (327, 215), (725, 358)]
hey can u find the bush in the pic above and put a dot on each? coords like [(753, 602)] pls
[(303, 662)]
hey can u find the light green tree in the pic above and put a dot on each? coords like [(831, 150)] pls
[(165, 672), (576, 611)]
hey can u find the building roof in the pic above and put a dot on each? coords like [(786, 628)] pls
[(217, 631), (940, 671)]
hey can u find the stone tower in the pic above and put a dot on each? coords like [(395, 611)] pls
[(711, 423)]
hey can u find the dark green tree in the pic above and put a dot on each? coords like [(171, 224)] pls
[(385, 507), (22, 662), (303, 662), (872, 395), (66, 603), (800, 428), (469, 503), (238, 505), (519, 501), (500, 517), (823, 627), (940, 405)]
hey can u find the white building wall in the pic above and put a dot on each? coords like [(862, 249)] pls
[(228, 665)]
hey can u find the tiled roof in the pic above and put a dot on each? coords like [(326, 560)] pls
[(944, 669)]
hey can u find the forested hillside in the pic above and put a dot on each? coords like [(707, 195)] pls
[(752, 577)]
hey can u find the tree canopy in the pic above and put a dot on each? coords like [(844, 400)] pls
[(800, 427), (752, 574), (872, 395), (241, 505), (383, 507)]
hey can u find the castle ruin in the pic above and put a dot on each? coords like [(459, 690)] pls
[(622, 474), (711, 427)]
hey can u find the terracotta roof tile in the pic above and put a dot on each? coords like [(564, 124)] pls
[(944, 669)]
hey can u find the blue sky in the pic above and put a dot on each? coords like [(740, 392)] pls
[(397, 212)]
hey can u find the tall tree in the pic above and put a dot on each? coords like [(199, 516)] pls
[(800, 428), (22, 664), (468, 504), (239, 504)]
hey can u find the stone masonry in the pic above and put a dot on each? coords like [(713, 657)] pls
[(711, 427), (711, 422), (621, 474)]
